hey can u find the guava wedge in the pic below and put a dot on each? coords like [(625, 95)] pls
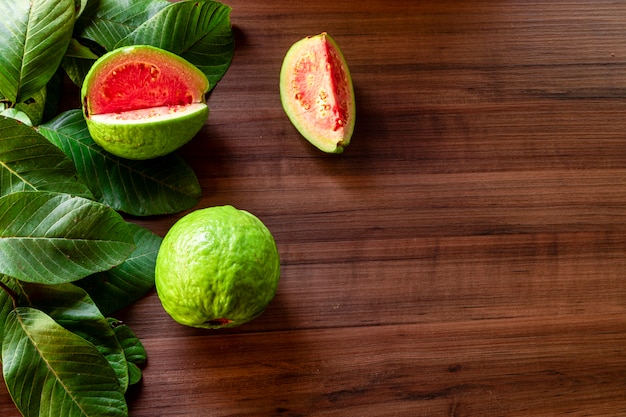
[(316, 92), (142, 102)]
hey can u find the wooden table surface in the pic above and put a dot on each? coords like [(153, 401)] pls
[(465, 256)]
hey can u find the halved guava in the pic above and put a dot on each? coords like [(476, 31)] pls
[(141, 102), (317, 94)]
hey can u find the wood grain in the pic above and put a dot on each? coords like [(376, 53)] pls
[(464, 257)]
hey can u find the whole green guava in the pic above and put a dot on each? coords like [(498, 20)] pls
[(217, 267)]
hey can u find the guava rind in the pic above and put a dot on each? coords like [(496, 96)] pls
[(317, 94), (217, 267), (135, 79), (144, 139)]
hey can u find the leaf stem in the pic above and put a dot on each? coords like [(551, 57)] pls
[(11, 293)]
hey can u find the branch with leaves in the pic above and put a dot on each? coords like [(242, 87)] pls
[(68, 258)]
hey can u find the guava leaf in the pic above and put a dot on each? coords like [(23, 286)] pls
[(77, 61), (99, 27), (121, 286), (34, 106), (80, 6), (78, 50), (48, 370), (77, 68), (51, 238), (199, 31), (133, 349), (6, 302), (105, 22), (156, 186), (32, 32), (72, 308), (54, 91), (29, 162), (20, 116)]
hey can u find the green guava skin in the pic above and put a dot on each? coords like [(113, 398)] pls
[(171, 82), (216, 268), (147, 139), (324, 113)]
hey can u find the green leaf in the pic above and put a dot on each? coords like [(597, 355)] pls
[(13, 113), (77, 61), (105, 22), (101, 25), (34, 106), (157, 186), (133, 349), (77, 68), (6, 301), (72, 308), (51, 238), (35, 34), (51, 371), (54, 90), (80, 6), (28, 161), (199, 31), (121, 286), (78, 50)]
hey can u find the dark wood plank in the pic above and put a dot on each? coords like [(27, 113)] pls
[(464, 257)]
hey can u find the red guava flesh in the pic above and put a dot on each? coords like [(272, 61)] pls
[(320, 84), (317, 92), (142, 77), (137, 85)]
